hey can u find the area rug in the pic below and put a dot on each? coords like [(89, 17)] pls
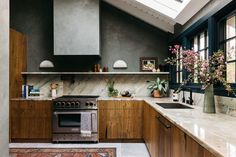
[(58, 152)]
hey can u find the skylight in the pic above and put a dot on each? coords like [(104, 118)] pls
[(170, 8)]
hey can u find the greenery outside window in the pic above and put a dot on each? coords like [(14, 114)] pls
[(227, 42)]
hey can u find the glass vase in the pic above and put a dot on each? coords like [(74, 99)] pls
[(209, 101)]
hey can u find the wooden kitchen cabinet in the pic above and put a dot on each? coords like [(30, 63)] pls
[(120, 120), (30, 120), (164, 134), (206, 153), (178, 142), (18, 62), (151, 130)]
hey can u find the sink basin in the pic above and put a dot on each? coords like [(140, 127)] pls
[(173, 106)]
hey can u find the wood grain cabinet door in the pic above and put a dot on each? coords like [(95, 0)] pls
[(132, 119), (120, 120), (30, 120), (42, 119), (178, 142), (164, 146), (147, 125), (110, 119), (206, 153)]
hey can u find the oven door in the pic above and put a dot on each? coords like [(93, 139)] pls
[(70, 121)]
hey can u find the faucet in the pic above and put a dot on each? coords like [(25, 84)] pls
[(190, 98), (190, 101)]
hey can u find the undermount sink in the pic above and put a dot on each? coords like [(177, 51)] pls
[(173, 106)]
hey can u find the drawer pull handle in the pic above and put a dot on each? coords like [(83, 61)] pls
[(166, 125)]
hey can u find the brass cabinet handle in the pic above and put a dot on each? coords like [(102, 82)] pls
[(166, 125)]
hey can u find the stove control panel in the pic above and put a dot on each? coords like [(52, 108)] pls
[(89, 104)]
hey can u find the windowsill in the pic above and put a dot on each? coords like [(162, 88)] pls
[(219, 91)]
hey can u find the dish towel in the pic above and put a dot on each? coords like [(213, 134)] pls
[(86, 124)]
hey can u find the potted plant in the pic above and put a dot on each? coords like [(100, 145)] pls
[(112, 92), (158, 88)]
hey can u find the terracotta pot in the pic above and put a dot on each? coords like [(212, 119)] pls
[(156, 94)]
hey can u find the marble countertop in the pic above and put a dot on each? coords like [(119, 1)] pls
[(215, 132)]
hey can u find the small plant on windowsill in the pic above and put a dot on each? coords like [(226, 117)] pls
[(158, 88), (207, 72)]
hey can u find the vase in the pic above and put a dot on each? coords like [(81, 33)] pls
[(209, 101)]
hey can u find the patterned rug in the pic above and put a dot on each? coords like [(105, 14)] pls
[(58, 152)]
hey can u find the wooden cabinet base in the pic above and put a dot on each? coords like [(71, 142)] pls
[(30, 140), (120, 120), (30, 120)]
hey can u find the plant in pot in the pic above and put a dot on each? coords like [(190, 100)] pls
[(112, 92), (158, 88)]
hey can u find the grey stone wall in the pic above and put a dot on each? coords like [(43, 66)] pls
[(4, 77), (122, 37)]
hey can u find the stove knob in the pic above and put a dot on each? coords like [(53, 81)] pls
[(87, 104), (77, 104), (73, 104), (91, 104), (63, 104), (68, 105), (58, 104)]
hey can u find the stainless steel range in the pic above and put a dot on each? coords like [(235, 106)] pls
[(75, 119)]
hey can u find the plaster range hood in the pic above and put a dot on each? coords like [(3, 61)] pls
[(76, 27)]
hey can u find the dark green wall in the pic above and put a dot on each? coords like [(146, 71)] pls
[(122, 37)]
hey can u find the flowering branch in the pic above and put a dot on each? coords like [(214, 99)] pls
[(207, 72)]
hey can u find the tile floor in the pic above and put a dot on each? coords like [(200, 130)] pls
[(123, 149)]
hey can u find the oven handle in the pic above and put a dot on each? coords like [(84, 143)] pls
[(57, 113)]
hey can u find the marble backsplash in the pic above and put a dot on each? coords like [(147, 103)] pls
[(226, 105), (92, 84), (97, 85)]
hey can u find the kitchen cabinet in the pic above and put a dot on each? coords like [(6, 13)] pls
[(164, 139), (30, 120), (164, 134), (151, 130), (120, 120), (206, 153), (178, 142), (18, 62)]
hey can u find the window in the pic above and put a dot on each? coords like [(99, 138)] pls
[(167, 7), (179, 68), (227, 43), (199, 43)]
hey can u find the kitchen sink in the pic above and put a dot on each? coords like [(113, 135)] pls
[(173, 106)]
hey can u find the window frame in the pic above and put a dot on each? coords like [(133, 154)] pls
[(223, 43), (205, 49)]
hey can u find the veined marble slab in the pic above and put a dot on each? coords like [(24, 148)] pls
[(93, 84)]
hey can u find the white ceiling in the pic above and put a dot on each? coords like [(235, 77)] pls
[(163, 14)]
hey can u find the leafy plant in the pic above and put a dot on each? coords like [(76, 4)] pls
[(161, 85), (111, 90)]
